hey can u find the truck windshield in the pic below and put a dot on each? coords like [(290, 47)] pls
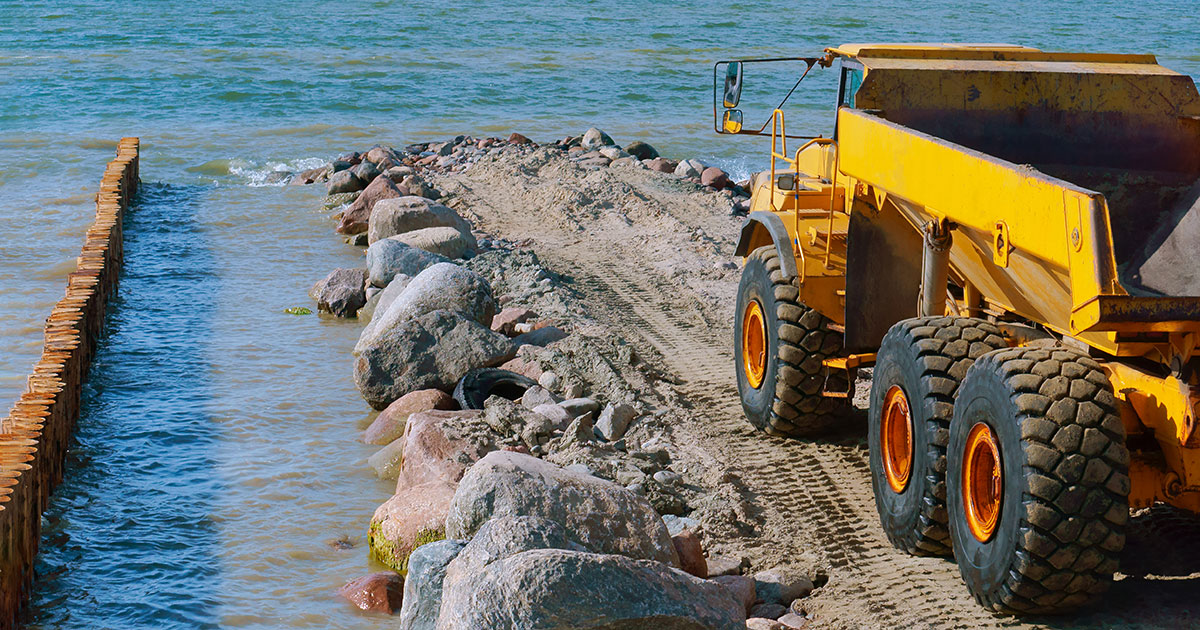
[(852, 77)]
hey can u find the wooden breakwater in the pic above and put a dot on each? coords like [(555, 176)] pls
[(35, 434)]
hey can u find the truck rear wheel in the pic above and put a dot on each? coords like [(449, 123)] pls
[(918, 368), (780, 345), (1038, 481)]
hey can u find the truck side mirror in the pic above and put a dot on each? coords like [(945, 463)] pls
[(733, 83), (731, 121)]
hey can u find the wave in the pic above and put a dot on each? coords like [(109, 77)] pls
[(253, 173)]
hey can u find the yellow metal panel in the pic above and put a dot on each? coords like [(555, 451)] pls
[(918, 54)]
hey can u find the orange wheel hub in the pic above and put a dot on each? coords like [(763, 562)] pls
[(896, 439), (982, 482), (754, 344)]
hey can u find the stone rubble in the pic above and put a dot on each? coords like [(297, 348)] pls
[(575, 475)]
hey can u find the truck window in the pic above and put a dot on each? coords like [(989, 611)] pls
[(852, 77)]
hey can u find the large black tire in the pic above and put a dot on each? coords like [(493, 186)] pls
[(926, 358), (1064, 487), (788, 401), (481, 383)]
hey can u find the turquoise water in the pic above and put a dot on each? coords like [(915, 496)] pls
[(217, 453)]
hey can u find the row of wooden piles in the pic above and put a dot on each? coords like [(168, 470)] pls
[(35, 434)]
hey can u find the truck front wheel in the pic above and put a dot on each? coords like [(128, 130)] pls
[(780, 346), (1038, 482)]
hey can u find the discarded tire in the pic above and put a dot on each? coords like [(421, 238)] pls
[(478, 385), (918, 369), (1038, 481), (779, 348)]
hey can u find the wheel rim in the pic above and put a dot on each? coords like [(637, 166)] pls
[(754, 344), (982, 482), (896, 439)]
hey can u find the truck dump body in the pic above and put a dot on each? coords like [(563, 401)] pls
[(1120, 125)]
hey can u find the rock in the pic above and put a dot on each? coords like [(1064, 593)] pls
[(382, 301), (629, 161), (556, 588), (540, 337), (662, 165), (356, 218), (760, 623), (721, 564), (573, 390), (689, 168), (580, 431), (600, 514), (397, 174), (768, 611), (444, 241), (537, 396), (506, 536), (691, 555), (641, 150), (668, 478), (614, 421), (741, 587), (792, 621), (435, 451), (434, 350), (344, 182), (390, 423), (676, 524), (403, 214), (378, 592), (557, 416), (382, 157), (312, 175), (338, 165), (613, 153), (714, 177), (517, 138), (594, 139), (548, 380), (423, 585), (366, 171), (781, 587), (524, 367), (443, 285), (391, 257), (414, 516), (418, 188), (505, 320), (342, 292), (386, 461), (352, 158), (579, 406)]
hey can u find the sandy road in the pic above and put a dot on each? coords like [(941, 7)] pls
[(644, 250)]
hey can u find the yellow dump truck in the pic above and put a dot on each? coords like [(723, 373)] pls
[(1010, 238)]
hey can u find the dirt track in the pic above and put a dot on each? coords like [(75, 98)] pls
[(646, 250)]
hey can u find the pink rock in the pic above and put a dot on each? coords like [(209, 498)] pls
[(792, 621), (524, 367), (355, 219), (390, 423), (431, 454), (759, 623), (714, 177), (691, 555), (662, 165), (517, 138), (505, 320), (741, 586), (377, 592), (412, 517)]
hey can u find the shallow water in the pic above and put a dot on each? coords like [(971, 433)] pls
[(217, 453)]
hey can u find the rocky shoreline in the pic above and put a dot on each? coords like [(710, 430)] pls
[(523, 436)]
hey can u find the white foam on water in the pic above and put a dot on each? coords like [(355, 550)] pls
[(271, 173)]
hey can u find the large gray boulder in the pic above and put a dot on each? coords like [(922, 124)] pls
[(390, 257), (423, 584), (594, 139), (442, 286), (406, 214), (556, 589), (601, 515), (433, 350), (444, 241), (341, 293)]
